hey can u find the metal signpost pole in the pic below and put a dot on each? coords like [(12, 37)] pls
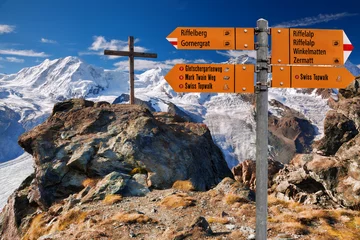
[(262, 68)]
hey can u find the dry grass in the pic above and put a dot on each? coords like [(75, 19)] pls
[(74, 216), (112, 199), (178, 200), (247, 210), (231, 198), (184, 185), (220, 220), (132, 218), (320, 224), (37, 228), (237, 235), (138, 170), (90, 182)]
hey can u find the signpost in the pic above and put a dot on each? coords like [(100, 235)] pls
[(301, 58)]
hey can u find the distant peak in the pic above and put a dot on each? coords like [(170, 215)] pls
[(70, 59)]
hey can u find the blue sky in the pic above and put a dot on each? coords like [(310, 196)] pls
[(32, 31)]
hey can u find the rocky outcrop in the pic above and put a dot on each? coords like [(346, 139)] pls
[(123, 98), (351, 91), (17, 212), (315, 179), (86, 151), (290, 133), (83, 141), (245, 172), (329, 176), (338, 129)]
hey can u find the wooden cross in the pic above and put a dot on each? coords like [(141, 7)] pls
[(131, 54)]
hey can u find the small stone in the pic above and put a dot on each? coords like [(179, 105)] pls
[(251, 237), (224, 214), (132, 235), (230, 226)]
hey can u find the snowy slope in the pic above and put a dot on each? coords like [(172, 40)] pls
[(12, 173)]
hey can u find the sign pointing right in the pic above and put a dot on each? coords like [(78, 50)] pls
[(309, 46), (310, 77)]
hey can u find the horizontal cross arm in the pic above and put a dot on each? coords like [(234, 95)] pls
[(134, 54)]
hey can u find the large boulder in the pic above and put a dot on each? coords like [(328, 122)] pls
[(338, 129), (17, 212), (289, 133), (322, 180), (83, 142), (245, 172)]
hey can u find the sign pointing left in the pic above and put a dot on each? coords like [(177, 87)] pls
[(200, 38), (216, 78)]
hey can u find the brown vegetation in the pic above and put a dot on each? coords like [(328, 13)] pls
[(178, 200), (90, 182), (132, 218), (184, 185), (112, 199)]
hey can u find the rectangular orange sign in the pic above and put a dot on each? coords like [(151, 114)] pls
[(201, 38), (244, 39), (219, 78), (244, 78), (311, 77), (307, 46)]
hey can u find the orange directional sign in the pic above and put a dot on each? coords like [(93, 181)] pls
[(310, 77), (309, 46), (217, 78), (199, 38)]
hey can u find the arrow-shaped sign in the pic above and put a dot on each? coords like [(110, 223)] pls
[(200, 38), (309, 46), (216, 78), (310, 77)]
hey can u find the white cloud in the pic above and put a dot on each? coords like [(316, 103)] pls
[(143, 64), (26, 53), (14, 60), (100, 44), (44, 40), (6, 28), (234, 54), (313, 20)]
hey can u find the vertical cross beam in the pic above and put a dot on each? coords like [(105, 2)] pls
[(131, 69)]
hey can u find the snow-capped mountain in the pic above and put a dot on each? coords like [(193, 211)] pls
[(27, 98)]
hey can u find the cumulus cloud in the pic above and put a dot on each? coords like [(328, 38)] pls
[(25, 53), (100, 44), (313, 20), (44, 40), (14, 60), (6, 28)]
